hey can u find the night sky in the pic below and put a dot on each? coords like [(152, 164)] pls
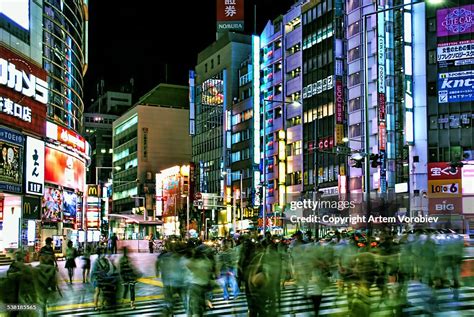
[(138, 38)]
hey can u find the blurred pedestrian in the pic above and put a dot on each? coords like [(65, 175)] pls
[(151, 241), (47, 252), (200, 272), (71, 254), (86, 266), (113, 243), (228, 271), (100, 275), (129, 275)]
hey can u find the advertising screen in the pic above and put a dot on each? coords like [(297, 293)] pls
[(70, 204), (64, 169), (10, 164), (213, 92), (456, 86), (52, 204), (455, 21)]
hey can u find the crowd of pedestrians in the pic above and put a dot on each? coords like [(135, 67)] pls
[(193, 272)]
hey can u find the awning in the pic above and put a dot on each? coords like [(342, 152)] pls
[(138, 219)]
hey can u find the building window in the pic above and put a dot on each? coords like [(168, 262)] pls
[(353, 54), (212, 63), (355, 130), (354, 79), (353, 29), (218, 59), (205, 68), (354, 104), (352, 5)]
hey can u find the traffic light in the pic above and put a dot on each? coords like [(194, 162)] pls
[(357, 162), (375, 160)]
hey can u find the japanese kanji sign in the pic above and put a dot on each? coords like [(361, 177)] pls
[(230, 15), (34, 166), (23, 93), (443, 181)]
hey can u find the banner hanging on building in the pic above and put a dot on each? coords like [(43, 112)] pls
[(230, 15), (11, 146)]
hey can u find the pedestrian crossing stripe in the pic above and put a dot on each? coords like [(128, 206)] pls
[(294, 303)]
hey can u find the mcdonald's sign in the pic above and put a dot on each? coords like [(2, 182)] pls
[(93, 191), (31, 207)]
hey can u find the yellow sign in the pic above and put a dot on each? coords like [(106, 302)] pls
[(93, 190), (445, 188), (339, 134)]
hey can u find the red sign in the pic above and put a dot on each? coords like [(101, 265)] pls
[(22, 102), (64, 169), (198, 196), (1, 208), (382, 106), (66, 136), (339, 102), (326, 143), (442, 170), (382, 136), (230, 10)]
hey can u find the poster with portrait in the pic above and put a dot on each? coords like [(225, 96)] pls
[(10, 164), (52, 204)]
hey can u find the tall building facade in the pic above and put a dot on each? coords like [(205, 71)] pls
[(65, 25), (280, 97), (98, 131), (215, 84), (146, 140), (323, 98), (384, 53), (450, 112), (42, 173)]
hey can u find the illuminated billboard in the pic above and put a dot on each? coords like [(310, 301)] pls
[(34, 161), (11, 146), (455, 53), (23, 92), (456, 86), (52, 205), (230, 15), (64, 169), (66, 137), (212, 92), (455, 21)]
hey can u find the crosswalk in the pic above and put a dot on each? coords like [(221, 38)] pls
[(294, 303)]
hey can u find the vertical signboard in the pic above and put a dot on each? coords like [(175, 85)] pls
[(145, 144), (230, 15), (92, 207), (381, 98), (34, 161)]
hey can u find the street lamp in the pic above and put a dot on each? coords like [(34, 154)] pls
[(264, 185), (234, 201)]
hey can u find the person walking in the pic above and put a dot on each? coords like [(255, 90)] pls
[(113, 241), (86, 267), (71, 254), (129, 276), (151, 242)]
